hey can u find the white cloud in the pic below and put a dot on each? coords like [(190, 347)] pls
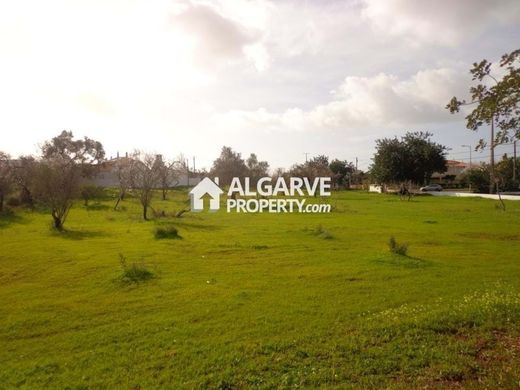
[(361, 102), (442, 22), (219, 39)]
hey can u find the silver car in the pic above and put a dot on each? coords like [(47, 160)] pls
[(431, 187)]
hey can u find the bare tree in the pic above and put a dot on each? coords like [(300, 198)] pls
[(57, 175), (144, 177), (166, 174), (6, 178), (123, 168)]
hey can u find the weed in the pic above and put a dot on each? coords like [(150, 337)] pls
[(168, 231), (397, 248), (321, 232), (134, 273)]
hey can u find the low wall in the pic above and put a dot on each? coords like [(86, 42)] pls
[(471, 195)]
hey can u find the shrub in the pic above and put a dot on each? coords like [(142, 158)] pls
[(321, 232), (13, 201), (395, 247), (134, 273), (169, 231), (91, 192)]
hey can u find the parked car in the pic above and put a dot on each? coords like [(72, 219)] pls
[(431, 187)]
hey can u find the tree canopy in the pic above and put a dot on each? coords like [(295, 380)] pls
[(496, 100), (414, 157)]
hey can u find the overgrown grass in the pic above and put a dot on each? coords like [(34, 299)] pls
[(397, 248), (135, 272), (321, 232), (259, 301), (166, 231)]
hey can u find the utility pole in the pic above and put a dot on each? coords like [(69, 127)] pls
[(356, 163), (468, 146), (188, 171), (306, 154), (193, 164), (470, 162)]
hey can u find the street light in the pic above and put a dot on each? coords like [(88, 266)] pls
[(470, 167), (468, 146)]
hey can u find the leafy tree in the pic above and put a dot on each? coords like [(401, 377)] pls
[(414, 157), (496, 103), (89, 192), (57, 175), (477, 178), (342, 171), (6, 177), (256, 169), (228, 165), (504, 174), (24, 172), (316, 167)]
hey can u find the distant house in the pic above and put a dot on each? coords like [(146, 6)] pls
[(454, 172), (107, 176)]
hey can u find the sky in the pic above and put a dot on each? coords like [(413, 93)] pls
[(277, 78)]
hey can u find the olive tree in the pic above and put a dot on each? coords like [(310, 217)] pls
[(64, 161), (6, 177)]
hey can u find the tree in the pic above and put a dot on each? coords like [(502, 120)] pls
[(228, 165), (6, 177), (166, 174), (496, 104), (123, 169), (144, 177), (57, 175), (316, 167), (477, 178), (24, 172), (89, 192), (256, 169), (412, 158), (342, 172), (504, 174)]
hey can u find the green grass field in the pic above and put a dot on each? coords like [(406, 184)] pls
[(262, 300)]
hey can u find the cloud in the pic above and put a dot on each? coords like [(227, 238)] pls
[(217, 38), (441, 22), (382, 100)]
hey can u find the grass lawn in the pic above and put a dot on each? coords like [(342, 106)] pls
[(264, 300)]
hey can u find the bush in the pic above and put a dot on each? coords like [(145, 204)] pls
[(13, 201), (91, 192), (395, 247), (322, 233), (163, 232), (134, 273)]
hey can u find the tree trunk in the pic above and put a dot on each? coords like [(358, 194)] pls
[(58, 225), (119, 199), (164, 194), (26, 197), (145, 211)]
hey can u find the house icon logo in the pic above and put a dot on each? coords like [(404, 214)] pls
[(205, 188)]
